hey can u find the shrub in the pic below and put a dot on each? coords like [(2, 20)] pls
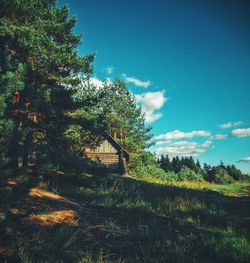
[(186, 174), (145, 164), (221, 176), (157, 172), (167, 176)]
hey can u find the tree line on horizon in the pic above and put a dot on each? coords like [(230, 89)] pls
[(186, 168)]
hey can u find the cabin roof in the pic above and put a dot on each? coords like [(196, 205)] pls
[(111, 138)]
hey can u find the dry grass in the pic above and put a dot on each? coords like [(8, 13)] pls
[(54, 218), (12, 181), (44, 194), (41, 193), (15, 211), (237, 189), (15, 181), (5, 252)]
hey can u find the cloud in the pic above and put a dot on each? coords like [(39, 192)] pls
[(177, 134), (162, 142), (245, 160), (137, 82), (184, 148), (219, 137), (109, 70), (151, 117), (231, 124), (206, 144), (240, 133), (96, 82), (151, 102)]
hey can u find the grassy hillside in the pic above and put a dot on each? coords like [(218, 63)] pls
[(56, 217)]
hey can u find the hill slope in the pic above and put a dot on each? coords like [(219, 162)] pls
[(56, 217)]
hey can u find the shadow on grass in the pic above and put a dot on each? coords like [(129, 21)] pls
[(124, 220)]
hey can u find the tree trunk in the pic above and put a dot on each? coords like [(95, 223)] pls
[(14, 149), (26, 148)]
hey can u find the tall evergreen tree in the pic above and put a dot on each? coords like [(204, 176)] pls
[(38, 58), (120, 113), (165, 163), (176, 164), (198, 164)]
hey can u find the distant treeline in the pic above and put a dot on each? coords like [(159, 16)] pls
[(186, 168)]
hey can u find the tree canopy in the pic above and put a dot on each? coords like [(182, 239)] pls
[(49, 108)]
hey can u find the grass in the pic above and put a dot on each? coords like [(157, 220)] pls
[(83, 218), (233, 189)]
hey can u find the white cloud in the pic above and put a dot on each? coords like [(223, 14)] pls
[(96, 82), (109, 70), (177, 134), (184, 143), (206, 144), (151, 116), (240, 132), (151, 102), (184, 148), (162, 142), (245, 160), (137, 82), (219, 137), (231, 124)]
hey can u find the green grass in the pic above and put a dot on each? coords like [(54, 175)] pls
[(127, 220), (233, 189)]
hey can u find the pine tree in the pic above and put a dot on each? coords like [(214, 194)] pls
[(176, 164), (38, 58), (198, 164), (222, 165), (165, 163), (122, 114)]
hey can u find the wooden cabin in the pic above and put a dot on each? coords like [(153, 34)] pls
[(110, 153)]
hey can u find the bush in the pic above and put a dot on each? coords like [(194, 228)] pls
[(221, 176), (145, 164), (157, 172), (166, 176), (186, 174)]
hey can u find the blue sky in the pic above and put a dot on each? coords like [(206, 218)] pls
[(187, 62)]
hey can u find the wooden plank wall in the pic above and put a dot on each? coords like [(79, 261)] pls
[(106, 158), (107, 154), (105, 147)]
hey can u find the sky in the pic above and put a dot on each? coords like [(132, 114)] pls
[(186, 62)]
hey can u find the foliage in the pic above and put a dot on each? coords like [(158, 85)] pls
[(185, 169), (186, 174), (38, 57), (236, 174), (220, 175), (48, 113), (144, 164), (117, 108)]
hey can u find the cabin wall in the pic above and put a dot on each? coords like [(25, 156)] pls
[(105, 158), (108, 154), (105, 147)]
